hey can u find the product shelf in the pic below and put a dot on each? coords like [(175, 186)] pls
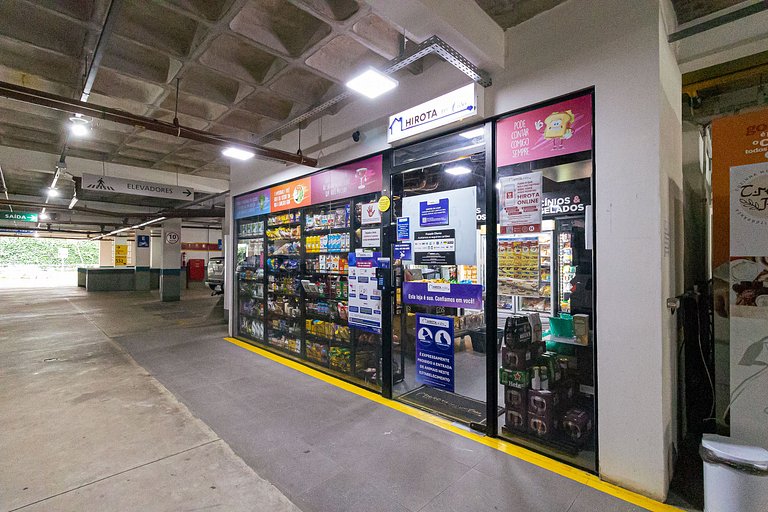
[(323, 231)]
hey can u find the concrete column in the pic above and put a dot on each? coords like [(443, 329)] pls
[(105, 253), (141, 249), (170, 279)]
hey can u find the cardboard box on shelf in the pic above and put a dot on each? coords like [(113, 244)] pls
[(516, 398), (542, 402), (577, 424), (515, 358), (514, 378), (541, 425), (516, 420)]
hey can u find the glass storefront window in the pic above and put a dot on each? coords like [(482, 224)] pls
[(545, 280), (438, 321)]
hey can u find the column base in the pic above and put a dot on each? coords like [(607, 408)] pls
[(141, 279), (170, 285)]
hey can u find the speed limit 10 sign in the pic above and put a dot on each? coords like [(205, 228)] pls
[(171, 237)]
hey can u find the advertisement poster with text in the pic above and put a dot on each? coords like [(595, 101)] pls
[(748, 298), (355, 179), (520, 203), (250, 205), (364, 295), (434, 351), (556, 130), (739, 252), (291, 195)]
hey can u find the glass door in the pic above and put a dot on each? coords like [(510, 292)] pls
[(438, 324)]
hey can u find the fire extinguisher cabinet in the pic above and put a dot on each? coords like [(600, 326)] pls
[(196, 269)]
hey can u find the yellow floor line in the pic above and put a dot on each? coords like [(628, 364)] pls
[(531, 457)]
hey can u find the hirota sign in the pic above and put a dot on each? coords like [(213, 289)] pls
[(446, 109)]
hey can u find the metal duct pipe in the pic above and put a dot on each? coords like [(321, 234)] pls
[(44, 99)]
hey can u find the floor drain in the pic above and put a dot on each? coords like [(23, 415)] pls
[(50, 359)]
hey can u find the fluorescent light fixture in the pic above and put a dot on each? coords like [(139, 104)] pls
[(153, 221), (43, 216), (123, 230), (52, 192), (372, 83), (471, 134), (73, 202), (238, 153), (78, 126), (458, 170)]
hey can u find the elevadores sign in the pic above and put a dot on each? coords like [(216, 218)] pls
[(114, 185)]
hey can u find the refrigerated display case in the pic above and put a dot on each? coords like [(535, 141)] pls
[(250, 278), (525, 273)]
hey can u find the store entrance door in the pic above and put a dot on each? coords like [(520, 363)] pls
[(438, 322)]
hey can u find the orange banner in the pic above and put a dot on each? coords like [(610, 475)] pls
[(291, 195), (736, 140)]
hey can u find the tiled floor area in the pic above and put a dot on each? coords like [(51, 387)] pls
[(323, 448)]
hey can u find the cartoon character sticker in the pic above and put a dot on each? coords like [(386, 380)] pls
[(558, 127)]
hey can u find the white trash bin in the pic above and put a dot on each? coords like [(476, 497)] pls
[(735, 475)]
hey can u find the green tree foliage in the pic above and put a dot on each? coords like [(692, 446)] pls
[(45, 251)]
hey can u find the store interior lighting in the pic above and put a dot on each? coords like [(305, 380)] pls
[(372, 83), (458, 170), (238, 153), (471, 134)]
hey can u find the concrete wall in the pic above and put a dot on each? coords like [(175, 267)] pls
[(620, 49), (201, 235)]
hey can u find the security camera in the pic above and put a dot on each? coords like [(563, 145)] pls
[(356, 136)]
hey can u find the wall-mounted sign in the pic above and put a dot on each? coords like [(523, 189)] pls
[(441, 111), (19, 216), (172, 238), (121, 255), (114, 185), (433, 213), (546, 132), (142, 241), (353, 179), (556, 204), (250, 205), (384, 203), (199, 246), (434, 351), (520, 203)]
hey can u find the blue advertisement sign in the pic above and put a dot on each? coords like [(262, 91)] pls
[(255, 203), (402, 251), (469, 296), (221, 246), (433, 213), (142, 241), (434, 351), (403, 228)]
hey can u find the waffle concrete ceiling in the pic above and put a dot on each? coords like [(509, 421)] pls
[(245, 68), (508, 13)]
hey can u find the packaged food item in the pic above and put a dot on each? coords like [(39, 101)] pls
[(577, 424)]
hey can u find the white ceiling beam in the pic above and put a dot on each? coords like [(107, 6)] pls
[(460, 23)]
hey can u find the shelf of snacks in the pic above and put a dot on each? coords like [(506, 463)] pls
[(284, 219), (317, 352), (285, 343), (283, 264)]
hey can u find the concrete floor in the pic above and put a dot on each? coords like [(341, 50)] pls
[(91, 430), (83, 427)]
